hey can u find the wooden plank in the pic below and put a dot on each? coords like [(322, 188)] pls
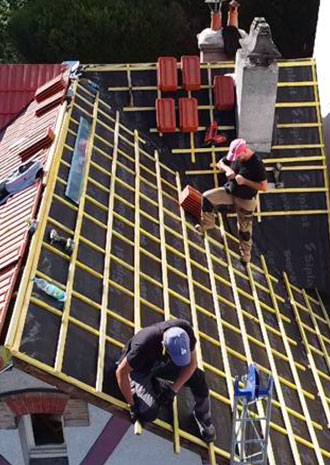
[(137, 241), (167, 313), (193, 303), (106, 269)]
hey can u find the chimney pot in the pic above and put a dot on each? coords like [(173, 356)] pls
[(216, 21), (233, 13)]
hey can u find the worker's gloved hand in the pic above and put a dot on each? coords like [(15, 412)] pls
[(167, 395)]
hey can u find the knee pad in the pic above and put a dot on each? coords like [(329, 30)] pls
[(244, 235), (207, 206)]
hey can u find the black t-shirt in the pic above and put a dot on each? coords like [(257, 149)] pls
[(252, 169), (145, 349)]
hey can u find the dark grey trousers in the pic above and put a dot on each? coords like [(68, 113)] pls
[(145, 386)]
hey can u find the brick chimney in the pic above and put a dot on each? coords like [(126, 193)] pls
[(256, 86)]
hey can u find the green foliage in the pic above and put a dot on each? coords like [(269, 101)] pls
[(105, 31), (121, 31), (7, 51)]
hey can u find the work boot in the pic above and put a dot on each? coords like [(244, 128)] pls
[(206, 429)]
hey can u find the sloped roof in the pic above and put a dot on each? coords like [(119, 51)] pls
[(299, 209), (138, 260), (19, 209), (18, 84)]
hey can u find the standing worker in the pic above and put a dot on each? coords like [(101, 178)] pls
[(246, 174), (154, 366)]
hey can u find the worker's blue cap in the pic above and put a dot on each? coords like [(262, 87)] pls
[(177, 343)]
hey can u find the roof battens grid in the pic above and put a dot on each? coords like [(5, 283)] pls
[(220, 325), (165, 267), (323, 352), (240, 316), (314, 370), (76, 238), (107, 258), (193, 302), (294, 371), (198, 308), (273, 367), (311, 83), (17, 321)]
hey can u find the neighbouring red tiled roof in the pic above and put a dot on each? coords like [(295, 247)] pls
[(23, 132), (18, 84)]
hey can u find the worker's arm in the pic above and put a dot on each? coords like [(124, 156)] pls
[(258, 186), (185, 373), (222, 167), (122, 374)]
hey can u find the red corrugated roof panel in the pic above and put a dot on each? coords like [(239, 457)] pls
[(18, 84), (6, 284), (23, 133)]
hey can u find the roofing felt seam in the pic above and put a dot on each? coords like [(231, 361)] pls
[(158, 284)]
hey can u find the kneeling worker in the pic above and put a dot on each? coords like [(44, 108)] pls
[(154, 366), (246, 174)]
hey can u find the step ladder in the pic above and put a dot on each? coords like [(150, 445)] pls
[(250, 431)]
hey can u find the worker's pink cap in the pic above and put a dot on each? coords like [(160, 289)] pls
[(236, 147)]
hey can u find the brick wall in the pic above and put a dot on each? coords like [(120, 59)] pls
[(36, 402), (74, 411)]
